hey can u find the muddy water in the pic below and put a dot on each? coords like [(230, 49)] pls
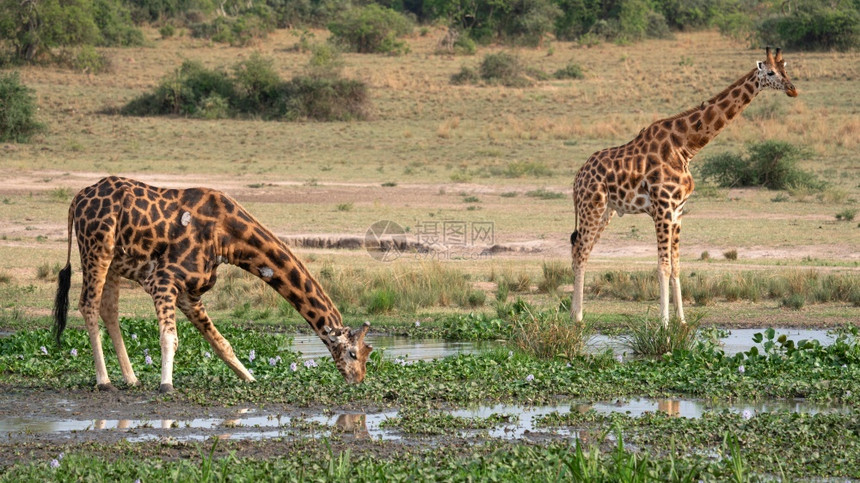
[(251, 424)]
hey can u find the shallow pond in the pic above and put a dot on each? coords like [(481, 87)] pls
[(251, 424), (738, 340)]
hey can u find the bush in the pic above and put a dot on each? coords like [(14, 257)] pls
[(325, 99), (371, 29), (570, 71), (770, 164), (251, 24), (17, 110), (255, 90), (814, 25)]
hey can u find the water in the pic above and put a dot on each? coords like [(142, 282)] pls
[(396, 347), (738, 340), (248, 425)]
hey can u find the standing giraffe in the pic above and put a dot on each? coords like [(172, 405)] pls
[(171, 242), (651, 174)]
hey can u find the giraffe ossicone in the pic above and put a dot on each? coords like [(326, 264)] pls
[(651, 175), (128, 229)]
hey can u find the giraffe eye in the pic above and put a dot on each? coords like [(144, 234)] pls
[(770, 72), (352, 354)]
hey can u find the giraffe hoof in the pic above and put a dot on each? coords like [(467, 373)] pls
[(165, 388), (106, 387)]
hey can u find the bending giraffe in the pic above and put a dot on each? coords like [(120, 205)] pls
[(171, 242), (651, 174)]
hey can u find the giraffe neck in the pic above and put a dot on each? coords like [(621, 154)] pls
[(693, 129), (259, 252)]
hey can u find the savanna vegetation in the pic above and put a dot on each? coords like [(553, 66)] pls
[(474, 119)]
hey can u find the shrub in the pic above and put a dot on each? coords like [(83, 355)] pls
[(814, 25), (17, 110), (166, 31), (467, 75), (548, 334), (731, 254), (770, 164), (251, 24), (570, 71), (253, 89), (325, 61), (325, 99), (847, 214), (505, 69), (371, 29)]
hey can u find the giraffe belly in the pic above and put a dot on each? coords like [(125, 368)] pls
[(132, 268), (639, 203)]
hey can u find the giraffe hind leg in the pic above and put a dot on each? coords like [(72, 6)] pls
[(674, 278), (94, 275)]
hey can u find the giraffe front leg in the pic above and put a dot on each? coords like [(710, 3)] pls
[(593, 221), (109, 311), (196, 313), (663, 226), (164, 296), (676, 272)]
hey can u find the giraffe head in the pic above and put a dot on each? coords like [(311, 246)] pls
[(349, 351), (771, 73)]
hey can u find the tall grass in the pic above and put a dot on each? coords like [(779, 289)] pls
[(650, 337), (404, 287), (548, 334), (704, 288)]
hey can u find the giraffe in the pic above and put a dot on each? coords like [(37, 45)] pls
[(650, 174), (171, 242)]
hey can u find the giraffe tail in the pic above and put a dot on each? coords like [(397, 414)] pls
[(64, 282), (575, 234)]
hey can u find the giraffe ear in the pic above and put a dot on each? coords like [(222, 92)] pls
[(760, 65)]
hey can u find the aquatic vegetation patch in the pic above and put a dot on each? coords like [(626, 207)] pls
[(421, 421), (781, 368), (823, 444)]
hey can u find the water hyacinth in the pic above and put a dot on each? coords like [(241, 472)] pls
[(44, 350), (73, 352), (55, 464), (252, 355), (747, 414), (273, 361), (133, 336), (417, 324), (310, 363), (741, 369), (61, 455), (294, 367), (148, 360), (530, 378), (207, 355)]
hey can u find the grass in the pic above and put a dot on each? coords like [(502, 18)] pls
[(648, 336)]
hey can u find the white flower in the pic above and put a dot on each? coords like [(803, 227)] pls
[(74, 352), (747, 414), (619, 358), (148, 360), (741, 369), (294, 367), (417, 324), (252, 355), (568, 365), (44, 350), (55, 464), (250, 371), (61, 455), (133, 336), (273, 361), (207, 355), (310, 363), (510, 354), (530, 378)]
